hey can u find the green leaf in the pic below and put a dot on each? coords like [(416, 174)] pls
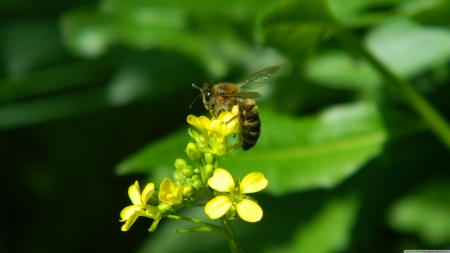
[(158, 155), (29, 44), (53, 79), (425, 213), (313, 152), (329, 231), (409, 49), (435, 15), (232, 10), (295, 27), (355, 12), (41, 110), (90, 32), (338, 69), (300, 11)]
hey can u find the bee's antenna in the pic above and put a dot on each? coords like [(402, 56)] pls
[(195, 86), (199, 95)]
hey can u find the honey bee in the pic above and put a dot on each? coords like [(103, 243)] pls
[(223, 96)]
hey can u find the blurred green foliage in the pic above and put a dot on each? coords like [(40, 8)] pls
[(87, 87)]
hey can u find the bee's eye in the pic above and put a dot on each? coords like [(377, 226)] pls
[(207, 95)]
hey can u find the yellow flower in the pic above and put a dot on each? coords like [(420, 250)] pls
[(214, 132), (170, 194), (234, 196), (139, 208)]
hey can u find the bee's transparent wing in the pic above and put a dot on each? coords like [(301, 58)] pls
[(245, 95), (257, 79)]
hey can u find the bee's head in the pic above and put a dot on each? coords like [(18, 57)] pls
[(207, 96)]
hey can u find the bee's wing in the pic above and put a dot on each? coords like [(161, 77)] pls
[(257, 79), (245, 95)]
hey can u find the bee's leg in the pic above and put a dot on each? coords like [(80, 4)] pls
[(235, 116), (216, 115)]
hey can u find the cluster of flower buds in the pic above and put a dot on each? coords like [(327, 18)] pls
[(226, 196)]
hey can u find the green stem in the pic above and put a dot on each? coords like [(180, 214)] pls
[(177, 217), (229, 234), (227, 229), (432, 118), (195, 205)]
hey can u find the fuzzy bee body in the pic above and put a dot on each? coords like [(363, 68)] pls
[(223, 96), (249, 124)]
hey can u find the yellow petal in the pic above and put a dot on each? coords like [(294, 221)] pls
[(167, 186), (221, 181), (130, 221), (217, 207), (216, 126), (224, 130), (175, 197), (128, 211), (253, 182), (153, 212), (135, 194), (206, 123), (226, 116), (169, 194), (249, 210), (195, 122), (147, 193)]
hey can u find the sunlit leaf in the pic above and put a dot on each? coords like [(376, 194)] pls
[(409, 49), (337, 69), (90, 32), (312, 152)]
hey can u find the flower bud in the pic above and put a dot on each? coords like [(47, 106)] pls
[(188, 191), (188, 171), (207, 172), (198, 184), (180, 164), (222, 148), (193, 152), (194, 135), (154, 225), (165, 208), (209, 158), (231, 214), (177, 176)]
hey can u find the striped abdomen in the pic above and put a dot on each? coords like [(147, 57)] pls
[(249, 124)]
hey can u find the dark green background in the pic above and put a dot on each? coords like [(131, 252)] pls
[(94, 95)]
